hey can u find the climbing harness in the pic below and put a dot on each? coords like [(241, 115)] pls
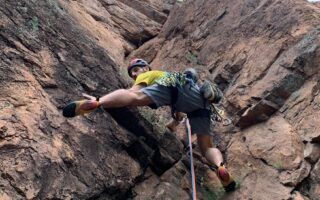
[(193, 178)]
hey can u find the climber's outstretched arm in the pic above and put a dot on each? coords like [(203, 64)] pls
[(125, 97), (116, 99)]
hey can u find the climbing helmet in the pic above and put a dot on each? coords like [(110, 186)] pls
[(137, 62), (191, 74)]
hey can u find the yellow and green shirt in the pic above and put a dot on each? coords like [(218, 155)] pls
[(159, 77), (149, 78)]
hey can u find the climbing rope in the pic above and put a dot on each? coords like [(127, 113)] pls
[(193, 179)]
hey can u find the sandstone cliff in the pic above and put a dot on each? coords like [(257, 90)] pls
[(263, 54)]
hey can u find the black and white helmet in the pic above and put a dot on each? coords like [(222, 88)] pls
[(191, 73)]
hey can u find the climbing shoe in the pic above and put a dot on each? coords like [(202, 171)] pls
[(225, 178), (211, 92), (82, 107)]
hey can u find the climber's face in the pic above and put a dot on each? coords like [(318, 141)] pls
[(136, 71)]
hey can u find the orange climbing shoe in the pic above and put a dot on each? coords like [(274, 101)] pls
[(226, 180), (82, 107)]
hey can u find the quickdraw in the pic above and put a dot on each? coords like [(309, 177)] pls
[(219, 116)]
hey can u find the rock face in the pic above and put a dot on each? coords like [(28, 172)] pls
[(48, 58), (264, 55)]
